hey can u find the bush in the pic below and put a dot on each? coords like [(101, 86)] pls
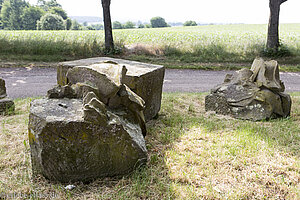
[(68, 23), (129, 25), (30, 17), (148, 26), (117, 25), (282, 51), (59, 11), (76, 26), (190, 23), (51, 22), (141, 26), (157, 22)]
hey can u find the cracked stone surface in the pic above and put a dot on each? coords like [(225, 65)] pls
[(146, 80), (93, 127)]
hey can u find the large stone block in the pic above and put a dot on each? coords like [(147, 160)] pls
[(146, 80), (69, 142)]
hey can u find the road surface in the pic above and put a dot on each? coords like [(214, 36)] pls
[(33, 82)]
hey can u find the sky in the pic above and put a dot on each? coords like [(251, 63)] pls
[(203, 11)]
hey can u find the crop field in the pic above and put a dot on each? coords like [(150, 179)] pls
[(212, 43)]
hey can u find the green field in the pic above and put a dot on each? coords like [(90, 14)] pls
[(202, 44)]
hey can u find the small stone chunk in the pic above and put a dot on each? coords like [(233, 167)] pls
[(6, 104), (2, 89)]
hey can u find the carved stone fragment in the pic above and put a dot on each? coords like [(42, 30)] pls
[(253, 94)]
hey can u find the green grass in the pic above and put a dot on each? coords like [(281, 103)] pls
[(175, 47), (192, 155)]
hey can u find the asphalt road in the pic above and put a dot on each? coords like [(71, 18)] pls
[(33, 82)]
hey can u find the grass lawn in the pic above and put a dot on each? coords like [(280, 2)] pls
[(192, 155)]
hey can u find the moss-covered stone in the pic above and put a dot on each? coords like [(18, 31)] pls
[(6, 105), (2, 89), (65, 147)]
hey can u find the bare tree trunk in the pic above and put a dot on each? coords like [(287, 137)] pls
[(273, 35), (109, 42)]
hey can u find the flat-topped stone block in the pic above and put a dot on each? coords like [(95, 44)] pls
[(146, 80)]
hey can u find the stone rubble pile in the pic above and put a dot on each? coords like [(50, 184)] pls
[(146, 80), (91, 127), (251, 94)]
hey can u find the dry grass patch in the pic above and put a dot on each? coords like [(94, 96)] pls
[(231, 165)]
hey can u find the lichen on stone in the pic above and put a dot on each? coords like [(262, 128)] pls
[(93, 127), (254, 94)]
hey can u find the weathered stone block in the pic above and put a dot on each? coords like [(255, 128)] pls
[(6, 104), (68, 147), (255, 94), (2, 89), (146, 80)]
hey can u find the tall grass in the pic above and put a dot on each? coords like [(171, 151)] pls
[(62, 43), (214, 43)]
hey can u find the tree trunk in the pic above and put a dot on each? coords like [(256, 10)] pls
[(109, 42), (273, 36)]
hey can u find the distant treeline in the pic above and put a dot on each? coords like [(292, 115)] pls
[(49, 15), (155, 22), (45, 15)]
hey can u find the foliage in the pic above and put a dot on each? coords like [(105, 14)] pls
[(148, 26), (281, 51), (76, 25), (97, 26), (141, 26), (190, 23), (51, 22), (158, 22), (20, 15), (68, 23), (129, 25), (59, 11), (30, 17), (117, 25), (47, 5), (11, 13)]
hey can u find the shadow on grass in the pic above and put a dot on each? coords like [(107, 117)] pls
[(242, 142)]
